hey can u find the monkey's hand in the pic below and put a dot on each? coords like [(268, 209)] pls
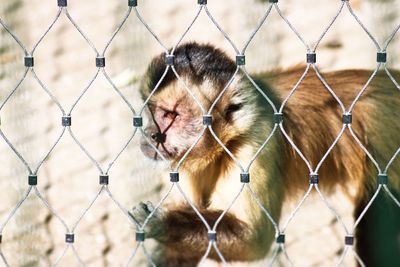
[(154, 227)]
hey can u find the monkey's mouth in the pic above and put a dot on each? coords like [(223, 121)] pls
[(157, 154)]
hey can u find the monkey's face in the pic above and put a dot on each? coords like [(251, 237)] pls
[(176, 121)]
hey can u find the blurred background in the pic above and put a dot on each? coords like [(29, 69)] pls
[(102, 121)]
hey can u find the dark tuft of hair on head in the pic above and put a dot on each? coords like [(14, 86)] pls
[(197, 62)]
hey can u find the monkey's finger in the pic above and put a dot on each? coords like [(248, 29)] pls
[(144, 207), (150, 206)]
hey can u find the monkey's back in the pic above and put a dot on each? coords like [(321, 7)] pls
[(313, 120)]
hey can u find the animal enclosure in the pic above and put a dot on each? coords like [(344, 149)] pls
[(71, 118)]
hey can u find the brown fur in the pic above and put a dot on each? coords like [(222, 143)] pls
[(232, 231), (313, 120)]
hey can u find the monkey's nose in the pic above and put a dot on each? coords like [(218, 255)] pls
[(159, 137)]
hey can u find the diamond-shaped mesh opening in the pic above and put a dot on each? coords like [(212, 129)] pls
[(380, 86), (344, 48), (39, 126), (38, 242), (298, 105), (63, 186), (90, 230), (108, 122), (53, 63)]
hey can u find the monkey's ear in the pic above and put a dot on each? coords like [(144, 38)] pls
[(231, 109)]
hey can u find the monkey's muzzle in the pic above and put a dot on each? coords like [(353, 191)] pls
[(158, 139)]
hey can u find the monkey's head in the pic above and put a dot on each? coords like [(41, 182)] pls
[(177, 120)]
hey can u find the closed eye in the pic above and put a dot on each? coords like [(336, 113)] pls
[(231, 109)]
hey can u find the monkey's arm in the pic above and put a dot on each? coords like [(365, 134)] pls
[(184, 238)]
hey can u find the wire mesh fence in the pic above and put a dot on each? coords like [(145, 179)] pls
[(103, 170)]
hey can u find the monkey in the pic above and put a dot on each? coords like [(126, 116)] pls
[(242, 119)]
